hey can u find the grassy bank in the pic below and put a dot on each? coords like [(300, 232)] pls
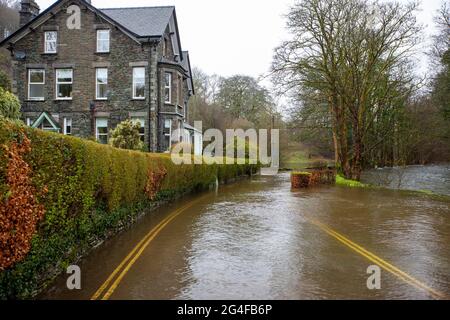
[(341, 181), (61, 195), (298, 157)]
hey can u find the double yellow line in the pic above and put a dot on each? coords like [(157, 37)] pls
[(110, 285), (380, 262)]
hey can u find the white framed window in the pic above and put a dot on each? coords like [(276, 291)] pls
[(142, 129), (67, 130), (50, 43), (36, 83), (168, 87), (64, 83), (101, 130), (103, 41), (101, 83), (139, 83), (29, 122), (167, 131)]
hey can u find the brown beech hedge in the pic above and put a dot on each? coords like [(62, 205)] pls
[(59, 195)]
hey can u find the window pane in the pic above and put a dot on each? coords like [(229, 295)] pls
[(64, 75), (168, 79), (36, 91), (103, 139), (167, 94), (50, 36), (102, 130), (139, 90), (101, 122), (139, 74), (102, 81), (64, 91), (103, 34), (167, 142), (139, 82), (50, 47), (50, 41), (68, 128), (102, 91), (36, 76), (103, 46), (102, 75)]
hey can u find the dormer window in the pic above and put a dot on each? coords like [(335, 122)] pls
[(103, 41), (51, 38)]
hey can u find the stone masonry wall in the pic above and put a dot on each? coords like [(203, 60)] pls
[(77, 50)]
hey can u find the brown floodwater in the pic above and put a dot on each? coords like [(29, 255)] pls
[(257, 239)]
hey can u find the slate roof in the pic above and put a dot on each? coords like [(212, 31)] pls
[(143, 21)]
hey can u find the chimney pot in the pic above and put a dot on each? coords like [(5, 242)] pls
[(29, 10)]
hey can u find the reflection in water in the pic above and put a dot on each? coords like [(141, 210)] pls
[(253, 240), (421, 178)]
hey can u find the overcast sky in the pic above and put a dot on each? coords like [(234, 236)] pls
[(230, 37)]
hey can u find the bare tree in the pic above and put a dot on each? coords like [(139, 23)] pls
[(355, 55), (9, 17)]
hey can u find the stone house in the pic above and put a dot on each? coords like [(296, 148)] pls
[(80, 70)]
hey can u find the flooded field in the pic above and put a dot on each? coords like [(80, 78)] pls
[(435, 178)]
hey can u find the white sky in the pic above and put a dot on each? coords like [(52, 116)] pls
[(228, 37)]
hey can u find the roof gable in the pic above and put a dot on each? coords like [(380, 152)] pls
[(50, 11), (143, 21), (45, 116)]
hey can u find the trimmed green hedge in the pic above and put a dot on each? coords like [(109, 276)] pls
[(92, 190)]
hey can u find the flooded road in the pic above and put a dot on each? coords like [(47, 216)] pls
[(257, 239)]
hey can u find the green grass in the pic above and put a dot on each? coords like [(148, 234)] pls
[(299, 160), (341, 181)]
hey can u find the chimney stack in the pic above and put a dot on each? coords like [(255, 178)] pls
[(28, 11)]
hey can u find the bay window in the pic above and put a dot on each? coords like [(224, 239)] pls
[(167, 131), (168, 87)]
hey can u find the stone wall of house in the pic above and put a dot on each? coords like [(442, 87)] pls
[(77, 50), (170, 111)]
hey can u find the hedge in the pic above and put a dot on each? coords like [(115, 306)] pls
[(70, 193)]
